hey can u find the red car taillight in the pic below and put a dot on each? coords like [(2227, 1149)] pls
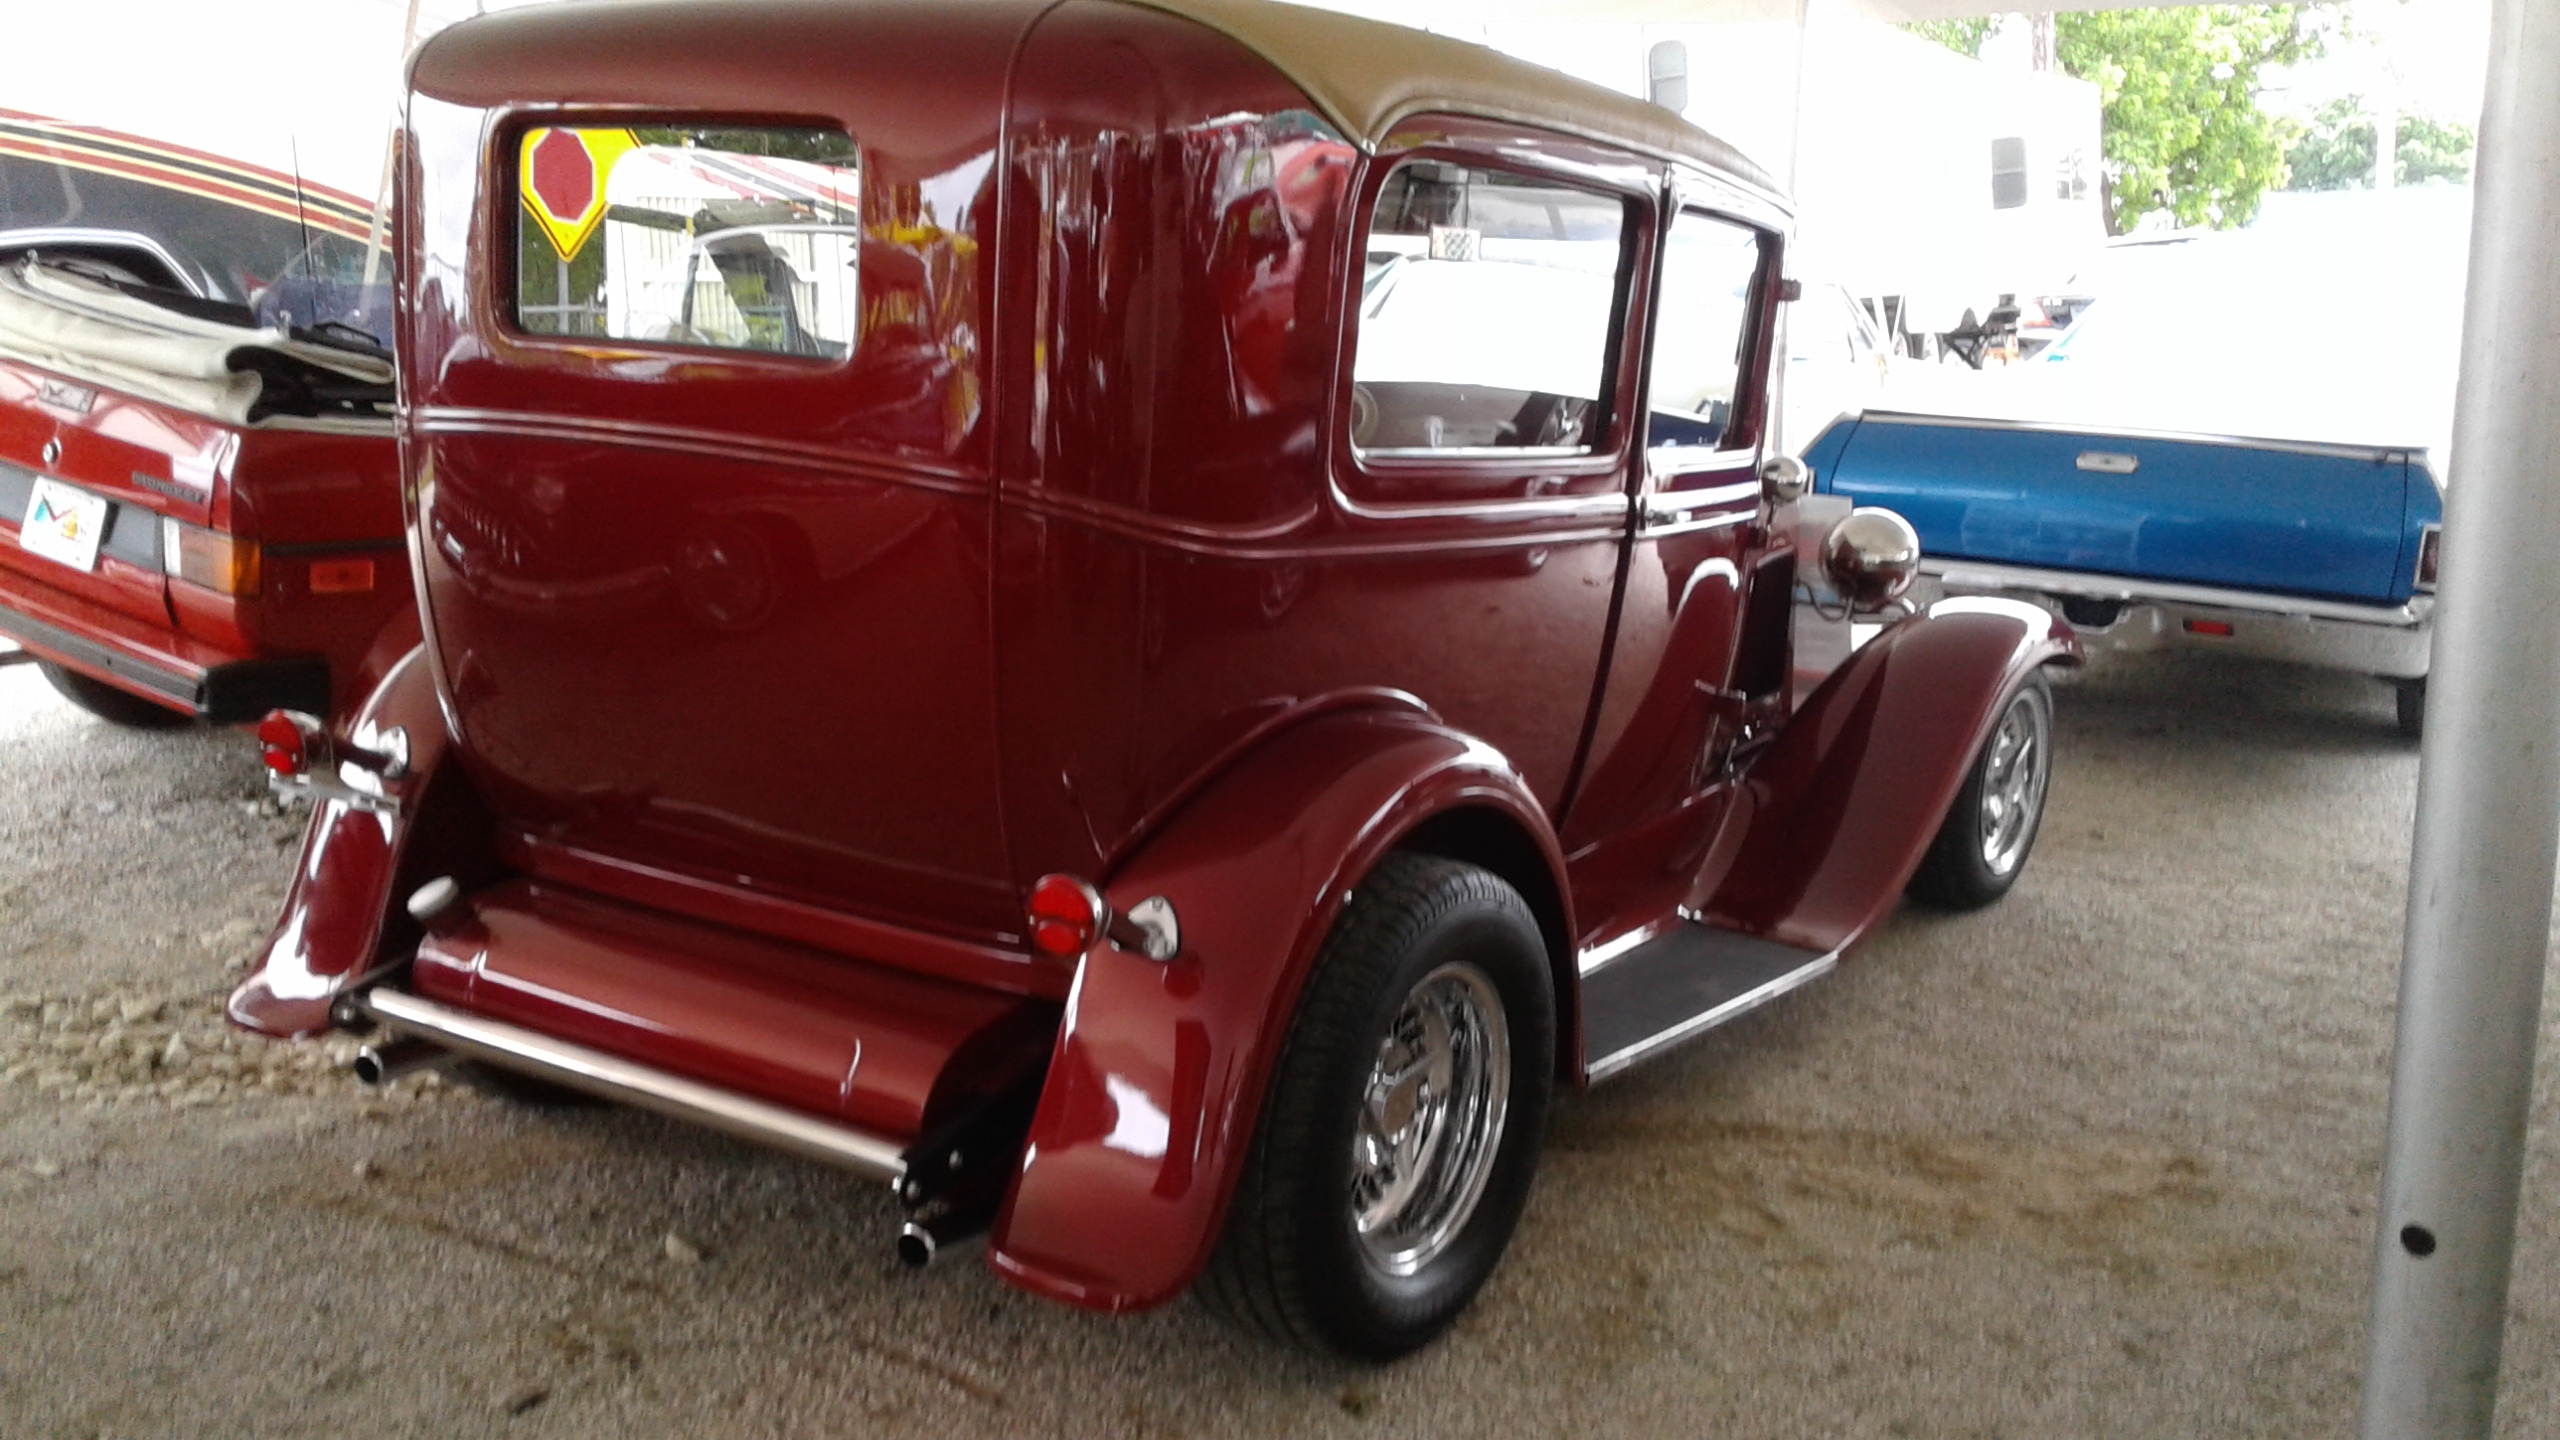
[(290, 740), (1067, 915), (2430, 547)]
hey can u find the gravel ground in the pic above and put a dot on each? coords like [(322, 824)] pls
[(2097, 1162)]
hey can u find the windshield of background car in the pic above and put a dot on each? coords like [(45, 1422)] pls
[(739, 239), (1701, 329), (1486, 314), (333, 285)]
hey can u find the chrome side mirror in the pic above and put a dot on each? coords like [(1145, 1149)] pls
[(1872, 557), (1784, 478)]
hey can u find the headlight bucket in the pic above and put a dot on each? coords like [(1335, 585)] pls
[(1872, 556)]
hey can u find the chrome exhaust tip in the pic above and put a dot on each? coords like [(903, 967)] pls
[(380, 1064), (921, 1242), (916, 1246)]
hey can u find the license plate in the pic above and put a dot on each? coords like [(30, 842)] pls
[(63, 523)]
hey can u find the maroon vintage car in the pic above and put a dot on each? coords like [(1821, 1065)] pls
[(199, 495), (1147, 620)]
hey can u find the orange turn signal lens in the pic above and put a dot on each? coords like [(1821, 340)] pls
[(222, 563)]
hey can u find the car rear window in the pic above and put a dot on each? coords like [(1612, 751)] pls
[(735, 239)]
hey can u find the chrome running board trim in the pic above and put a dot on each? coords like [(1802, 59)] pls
[(611, 1077), (1705, 1020), (1696, 977), (1599, 955)]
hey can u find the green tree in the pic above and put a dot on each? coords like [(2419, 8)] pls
[(2182, 128), (2336, 152), (1964, 35), (2432, 149)]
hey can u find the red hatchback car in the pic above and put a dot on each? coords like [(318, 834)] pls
[(199, 498), (1148, 621)]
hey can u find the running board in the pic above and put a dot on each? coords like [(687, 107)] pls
[(611, 1077), (1681, 984)]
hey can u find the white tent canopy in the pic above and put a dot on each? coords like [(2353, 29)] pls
[(306, 86)]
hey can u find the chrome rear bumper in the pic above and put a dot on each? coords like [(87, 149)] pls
[(513, 1047), (2390, 641)]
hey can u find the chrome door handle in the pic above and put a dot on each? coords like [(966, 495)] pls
[(1678, 507)]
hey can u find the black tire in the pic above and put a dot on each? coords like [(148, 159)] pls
[(110, 704), (1292, 1263), (2410, 698), (1972, 862)]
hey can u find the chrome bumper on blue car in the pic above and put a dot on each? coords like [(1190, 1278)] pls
[(2386, 640)]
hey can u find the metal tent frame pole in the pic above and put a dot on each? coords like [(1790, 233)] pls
[(2480, 872)]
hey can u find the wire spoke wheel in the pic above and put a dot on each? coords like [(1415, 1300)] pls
[(1430, 1120)]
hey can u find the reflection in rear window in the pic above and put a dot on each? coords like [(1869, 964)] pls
[(741, 239)]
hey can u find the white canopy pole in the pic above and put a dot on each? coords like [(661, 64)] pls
[(2480, 873)]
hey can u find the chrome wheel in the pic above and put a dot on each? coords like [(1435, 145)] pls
[(2014, 771), (1430, 1121)]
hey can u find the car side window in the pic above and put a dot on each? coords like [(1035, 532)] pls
[(1487, 315), (1702, 331), (732, 239)]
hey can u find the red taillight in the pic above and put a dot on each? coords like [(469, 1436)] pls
[(2221, 628), (1066, 915), (2430, 551), (287, 742)]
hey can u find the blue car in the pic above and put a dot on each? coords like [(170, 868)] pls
[(2316, 554)]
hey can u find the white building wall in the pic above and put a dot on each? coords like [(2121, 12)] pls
[(1888, 157)]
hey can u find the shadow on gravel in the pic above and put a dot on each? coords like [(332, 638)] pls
[(2192, 698)]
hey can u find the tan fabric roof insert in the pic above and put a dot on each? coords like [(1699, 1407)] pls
[(1366, 75)]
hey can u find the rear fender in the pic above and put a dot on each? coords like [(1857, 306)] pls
[(393, 644), (1157, 1077), (1831, 821), (342, 918)]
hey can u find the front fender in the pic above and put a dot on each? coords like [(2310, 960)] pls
[(341, 920), (1834, 817), (1156, 1080)]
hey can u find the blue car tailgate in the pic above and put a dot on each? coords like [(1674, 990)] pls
[(2263, 516)]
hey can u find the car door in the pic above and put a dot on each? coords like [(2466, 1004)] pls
[(1489, 433), (1674, 702)]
